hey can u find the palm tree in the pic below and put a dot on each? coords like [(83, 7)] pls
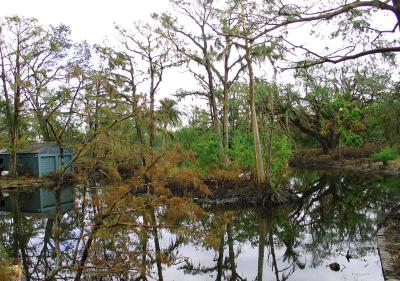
[(167, 115)]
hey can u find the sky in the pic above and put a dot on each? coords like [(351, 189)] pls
[(90, 20), (93, 20)]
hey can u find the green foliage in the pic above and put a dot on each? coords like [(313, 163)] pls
[(351, 138), (386, 154), (329, 113), (3, 253), (281, 153), (204, 145), (347, 116), (383, 119), (199, 118), (207, 151), (242, 150)]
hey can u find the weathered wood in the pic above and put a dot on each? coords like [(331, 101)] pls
[(24, 184)]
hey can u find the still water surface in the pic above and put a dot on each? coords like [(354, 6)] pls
[(336, 216)]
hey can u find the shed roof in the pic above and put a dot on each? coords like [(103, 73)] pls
[(41, 148)]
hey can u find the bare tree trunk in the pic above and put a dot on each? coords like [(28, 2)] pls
[(44, 129), (138, 130), (152, 133), (144, 243), (16, 115), (20, 242), (274, 263), (254, 119), (215, 117), (9, 115), (231, 252), (226, 124), (227, 86), (261, 246), (13, 153), (212, 98), (57, 226), (157, 245), (220, 262), (270, 125)]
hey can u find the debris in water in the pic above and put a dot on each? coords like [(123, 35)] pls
[(334, 266)]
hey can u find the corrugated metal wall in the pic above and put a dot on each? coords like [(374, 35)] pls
[(47, 165)]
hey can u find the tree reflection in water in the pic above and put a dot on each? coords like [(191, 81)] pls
[(148, 238)]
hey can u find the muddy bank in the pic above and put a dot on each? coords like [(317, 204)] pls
[(366, 165), (243, 193), (247, 197), (389, 246)]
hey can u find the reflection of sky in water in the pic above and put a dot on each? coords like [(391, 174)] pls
[(365, 268), (322, 237)]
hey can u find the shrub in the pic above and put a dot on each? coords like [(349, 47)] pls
[(242, 150), (281, 152), (204, 145), (385, 155)]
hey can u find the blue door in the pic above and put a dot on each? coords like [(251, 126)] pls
[(47, 165)]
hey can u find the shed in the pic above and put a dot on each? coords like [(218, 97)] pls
[(41, 200), (37, 159)]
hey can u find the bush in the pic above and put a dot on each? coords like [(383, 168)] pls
[(204, 145), (385, 155), (281, 152), (242, 150)]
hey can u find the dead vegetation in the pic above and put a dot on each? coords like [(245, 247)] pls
[(174, 174)]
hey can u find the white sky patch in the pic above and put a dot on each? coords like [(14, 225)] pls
[(90, 20), (93, 20)]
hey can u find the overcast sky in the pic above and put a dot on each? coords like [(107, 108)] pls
[(90, 20), (93, 20)]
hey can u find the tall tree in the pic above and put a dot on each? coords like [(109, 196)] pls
[(20, 38), (196, 45), (154, 51), (49, 66), (124, 78), (232, 65)]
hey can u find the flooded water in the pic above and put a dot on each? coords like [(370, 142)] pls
[(334, 221)]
